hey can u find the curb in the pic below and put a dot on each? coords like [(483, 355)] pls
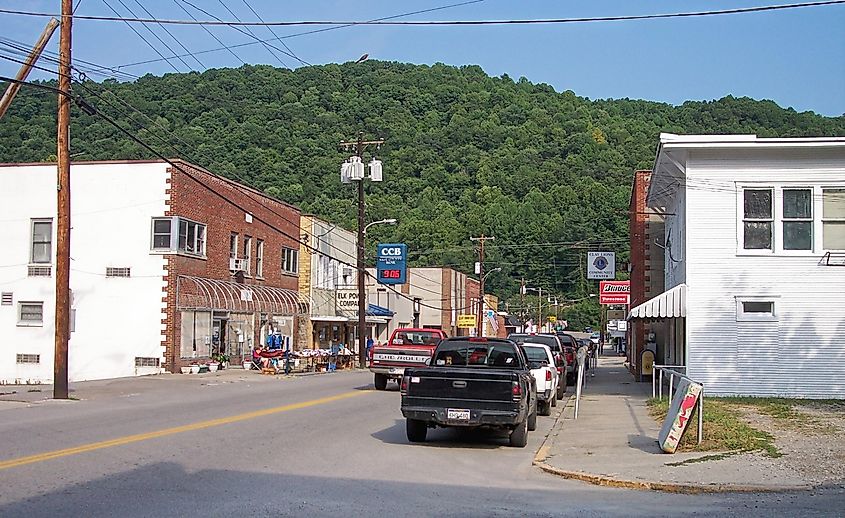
[(668, 487)]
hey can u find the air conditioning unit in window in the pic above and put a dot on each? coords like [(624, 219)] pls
[(237, 265)]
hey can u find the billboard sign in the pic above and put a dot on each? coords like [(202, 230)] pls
[(392, 263), (601, 265), (615, 292)]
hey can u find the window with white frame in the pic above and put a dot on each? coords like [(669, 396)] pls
[(833, 219), (757, 219), (30, 313), (233, 245), (290, 260), (41, 251), (756, 309), (175, 234), (797, 219), (247, 254), (259, 258)]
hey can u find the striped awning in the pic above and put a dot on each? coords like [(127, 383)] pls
[(669, 304), (200, 293)]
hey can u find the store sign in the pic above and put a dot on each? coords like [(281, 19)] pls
[(392, 263), (466, 322), (347, 303), (615, 292), (601, 265), (679, 414)]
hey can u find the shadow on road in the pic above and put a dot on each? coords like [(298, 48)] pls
[(471, 438)]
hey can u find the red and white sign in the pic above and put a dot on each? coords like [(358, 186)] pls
[(615, 292)]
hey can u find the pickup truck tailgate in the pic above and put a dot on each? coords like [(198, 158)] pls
[(410, 356), (455, 387)]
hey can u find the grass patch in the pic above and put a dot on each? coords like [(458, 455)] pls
[(724, 429)]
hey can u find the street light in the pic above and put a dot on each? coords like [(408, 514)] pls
[(351, 171), (389, 221)]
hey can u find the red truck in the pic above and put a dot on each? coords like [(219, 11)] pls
[(409, 347)]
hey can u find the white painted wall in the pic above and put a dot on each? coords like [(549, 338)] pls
[(117, 319), (802, 354)]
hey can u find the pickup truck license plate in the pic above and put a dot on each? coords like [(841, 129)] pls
[(457, 414)]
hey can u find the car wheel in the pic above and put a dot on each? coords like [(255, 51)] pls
[(519, 435), (380, 381), (554, 401), (545, 408), (532, 419), (561, 388), (415, 430)]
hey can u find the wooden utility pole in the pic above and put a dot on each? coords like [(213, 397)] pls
[(33, 56), (479, 324), (60, 361), (522, 302)]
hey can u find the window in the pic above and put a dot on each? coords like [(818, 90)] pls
[(757, 219), (27, 358), (833, 219), (117, 271), (750, 309), (247, 253), (233, 246), (188, 236), (42, 241), (259, 259), (290, 260), (30, 313), (797, 219)]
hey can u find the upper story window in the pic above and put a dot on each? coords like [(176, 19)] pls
[(833, 219), (290, 260), (757, 219), (247, 254), (175, 234), (259, 258), (30, 313), (789, 220), (233, 246), (41, 251)]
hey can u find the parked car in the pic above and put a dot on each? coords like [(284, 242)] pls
[(570, 351), (407, 347), (542, 364), (471, 382), (561, 363)]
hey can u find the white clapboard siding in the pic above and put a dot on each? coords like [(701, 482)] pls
[(802, 353)]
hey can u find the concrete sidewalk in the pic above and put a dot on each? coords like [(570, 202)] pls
[(614, 442)]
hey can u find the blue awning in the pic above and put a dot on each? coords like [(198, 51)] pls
[(378, 311)]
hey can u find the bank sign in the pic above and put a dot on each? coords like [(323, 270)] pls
[(392, 263)]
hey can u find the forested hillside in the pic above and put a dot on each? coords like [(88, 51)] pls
[(547, 173)]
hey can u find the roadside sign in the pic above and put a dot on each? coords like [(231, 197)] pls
[(391, 263), (552, 318), (614, 292), (601, 265), (466, 322), (678, 416)]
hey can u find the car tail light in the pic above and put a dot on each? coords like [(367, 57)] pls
[(516, 391), (559, 371), (403, 387), (548, 375)]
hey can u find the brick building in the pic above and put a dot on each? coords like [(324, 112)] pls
[(168, 266)]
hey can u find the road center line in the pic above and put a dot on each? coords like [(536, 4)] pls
[(120, 441)]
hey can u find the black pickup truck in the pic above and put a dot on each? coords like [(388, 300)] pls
[(471, 382)]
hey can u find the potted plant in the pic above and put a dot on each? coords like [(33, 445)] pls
[(195, 368), (186, 369), (213, 366)]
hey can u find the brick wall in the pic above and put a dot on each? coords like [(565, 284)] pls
[(222, 205)]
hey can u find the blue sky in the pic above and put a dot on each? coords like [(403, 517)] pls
[(795, 57)]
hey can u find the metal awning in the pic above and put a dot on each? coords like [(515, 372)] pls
[(200, 293), (669, 304), (328, 318)]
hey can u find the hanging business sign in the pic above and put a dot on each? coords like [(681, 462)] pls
[(392, 263), (615, 292), (601, 265), (347, 303)]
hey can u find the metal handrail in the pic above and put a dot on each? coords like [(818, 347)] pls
[(657, 391)]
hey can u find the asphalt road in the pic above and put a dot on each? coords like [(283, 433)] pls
[(247, 445)]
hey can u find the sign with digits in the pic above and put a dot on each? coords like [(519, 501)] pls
[(392, 263)]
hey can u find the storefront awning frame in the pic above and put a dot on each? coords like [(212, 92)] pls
[(200, 293)]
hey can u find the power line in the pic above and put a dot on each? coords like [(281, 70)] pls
[(206, 29), (172, 36), (534, 21), (154, 33), (126, 21), (315, 31), (281, 40), (263, 43)]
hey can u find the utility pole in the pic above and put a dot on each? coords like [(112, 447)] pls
[(33, 56), (479, 326), (60, 360), (359, 146), (522, 301)]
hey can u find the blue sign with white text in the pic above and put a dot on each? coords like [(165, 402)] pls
[(392, 263)]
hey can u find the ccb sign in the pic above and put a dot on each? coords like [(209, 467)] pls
[(392, 263)]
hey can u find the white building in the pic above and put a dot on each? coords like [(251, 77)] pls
[(754, 263)]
